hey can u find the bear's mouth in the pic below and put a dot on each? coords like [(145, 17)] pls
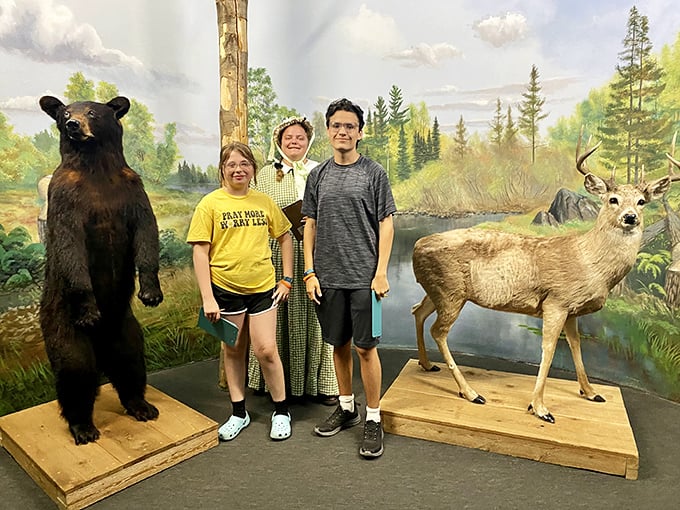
[(78, 136)]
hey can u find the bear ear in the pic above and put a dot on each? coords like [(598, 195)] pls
[(120, 106), (51, 106)]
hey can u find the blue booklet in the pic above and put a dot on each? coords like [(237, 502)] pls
[(223, 329), (376, 315)]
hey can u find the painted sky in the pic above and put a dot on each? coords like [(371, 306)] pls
[(457, 56)]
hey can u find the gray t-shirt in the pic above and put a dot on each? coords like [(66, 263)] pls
[(348, 203)]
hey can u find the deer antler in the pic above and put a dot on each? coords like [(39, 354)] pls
[(673, 176), (581, 160)]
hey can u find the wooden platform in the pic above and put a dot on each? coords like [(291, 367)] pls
[(587, 435), (127, 452)]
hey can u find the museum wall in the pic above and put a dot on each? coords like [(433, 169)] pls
[(475, 113)]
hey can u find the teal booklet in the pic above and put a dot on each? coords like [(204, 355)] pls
[(376, 315), (223, 329)]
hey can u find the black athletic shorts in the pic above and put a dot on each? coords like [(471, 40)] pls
[(234, 304), (345, 314)]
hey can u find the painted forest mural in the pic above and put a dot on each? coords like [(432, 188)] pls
[(502, 170)]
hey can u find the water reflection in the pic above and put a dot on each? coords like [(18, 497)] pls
[(479, 331)]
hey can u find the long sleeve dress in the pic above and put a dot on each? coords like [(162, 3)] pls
[(307, 359)]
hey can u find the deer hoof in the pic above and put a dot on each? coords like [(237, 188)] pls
[(595, 398), (546, 417), (477, 400), (433, 368)]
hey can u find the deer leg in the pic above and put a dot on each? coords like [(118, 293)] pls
[(422, 311), (574, 341), (553, 321), (440, 330)]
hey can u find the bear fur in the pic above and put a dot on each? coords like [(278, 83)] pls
[(100, 231)]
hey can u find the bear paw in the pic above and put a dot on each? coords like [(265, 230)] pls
[(141, 410), (152, 297), (84, 433), (89, 315)]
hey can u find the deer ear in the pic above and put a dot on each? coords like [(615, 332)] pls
[(594, 185), (656, 189)]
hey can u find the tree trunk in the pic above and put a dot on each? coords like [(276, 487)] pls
[(232, 22), (672, 285), (232, 30)]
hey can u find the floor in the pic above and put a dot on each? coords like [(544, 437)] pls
[(311, 472)]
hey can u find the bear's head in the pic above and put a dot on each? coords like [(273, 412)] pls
[(87, 122)]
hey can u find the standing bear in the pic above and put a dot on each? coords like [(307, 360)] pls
[(100, 231)]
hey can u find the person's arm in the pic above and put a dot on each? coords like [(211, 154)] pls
[(311, 282), (201, 256), (380, 284), (283, 288)]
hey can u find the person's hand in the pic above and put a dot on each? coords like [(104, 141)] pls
[(381, 286), (211, 310), (281, 293), (313, 289)]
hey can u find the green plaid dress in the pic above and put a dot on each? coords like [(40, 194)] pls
[(307, 359)]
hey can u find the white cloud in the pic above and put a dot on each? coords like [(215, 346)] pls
[(194, 134), (501, 31), (47, 32), (20, 103), (424, 54), (369, 32), (44, 31), (441, 91)]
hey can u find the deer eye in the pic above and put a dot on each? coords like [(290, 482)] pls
[(614, 201), (641, 202)]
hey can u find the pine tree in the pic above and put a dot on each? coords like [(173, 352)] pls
[(436, 140), (380, 133), (397, 115), (530, 110), (634, 129), (460, 139), (510, 132), (418, 158), (403, 166), (497, 127)]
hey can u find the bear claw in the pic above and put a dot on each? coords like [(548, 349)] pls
[(84, 433)]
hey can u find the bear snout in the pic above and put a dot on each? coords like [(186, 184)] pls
[(77, 130)]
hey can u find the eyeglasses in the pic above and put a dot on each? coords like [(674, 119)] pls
[(335, 126), (243, 165)]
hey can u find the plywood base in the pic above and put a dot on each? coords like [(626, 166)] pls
[(587, 435), (127, 452)]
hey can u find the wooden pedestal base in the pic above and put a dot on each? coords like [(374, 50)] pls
[(127, 452), (586, 435)]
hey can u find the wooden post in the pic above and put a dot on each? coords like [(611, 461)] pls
[(232, 28), (232, 25)]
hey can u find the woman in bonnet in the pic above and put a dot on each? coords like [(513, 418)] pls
[(307, 360)]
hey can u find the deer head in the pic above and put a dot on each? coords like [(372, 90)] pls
[(621, 204)]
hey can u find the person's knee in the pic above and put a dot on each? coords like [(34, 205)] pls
[(266, 355), (366, 354)]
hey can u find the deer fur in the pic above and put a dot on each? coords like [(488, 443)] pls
[(557, 278)]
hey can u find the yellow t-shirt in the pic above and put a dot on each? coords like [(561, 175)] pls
[(238, 230)]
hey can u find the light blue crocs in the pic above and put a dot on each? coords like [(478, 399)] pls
[(280, 427), (232, 427)]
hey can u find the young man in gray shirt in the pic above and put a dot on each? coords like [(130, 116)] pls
[(347, 244)]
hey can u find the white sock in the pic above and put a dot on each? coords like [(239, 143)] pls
[(347, 402), (373, 414)]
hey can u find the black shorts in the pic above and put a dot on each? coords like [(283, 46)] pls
[(234, 304), (345, 314)]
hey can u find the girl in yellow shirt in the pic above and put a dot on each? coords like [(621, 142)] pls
[(230, 232)]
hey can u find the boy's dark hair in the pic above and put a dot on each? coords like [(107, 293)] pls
[(347, 106)]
